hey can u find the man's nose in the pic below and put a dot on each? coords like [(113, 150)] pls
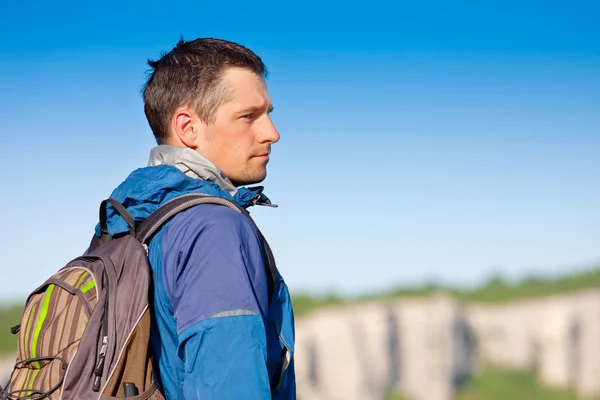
[(269, 133)]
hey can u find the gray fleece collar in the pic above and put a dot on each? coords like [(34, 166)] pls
[(191, 163)]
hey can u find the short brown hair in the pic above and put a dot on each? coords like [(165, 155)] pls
[(190, 74)]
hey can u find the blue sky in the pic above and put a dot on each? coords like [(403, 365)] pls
[(434, 141)]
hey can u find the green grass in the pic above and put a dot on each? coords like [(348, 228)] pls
[(494, 291), (497, 290), (503, 385), (9, 317), (395, 396), (304, 304)]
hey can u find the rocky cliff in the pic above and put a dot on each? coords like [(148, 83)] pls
[(425, 348)]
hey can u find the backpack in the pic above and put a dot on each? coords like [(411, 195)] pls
[(85, 332)]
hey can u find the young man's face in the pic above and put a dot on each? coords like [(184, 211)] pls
[(239, 141)]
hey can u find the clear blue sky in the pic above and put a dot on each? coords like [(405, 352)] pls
[(420, 140)]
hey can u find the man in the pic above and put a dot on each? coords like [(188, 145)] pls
[(216, 334)]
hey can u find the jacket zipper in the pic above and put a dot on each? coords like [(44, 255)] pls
[(286, 358)]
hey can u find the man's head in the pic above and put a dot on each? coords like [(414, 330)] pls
[(210, 95)]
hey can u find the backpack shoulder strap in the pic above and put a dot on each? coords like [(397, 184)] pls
[(164, 213)]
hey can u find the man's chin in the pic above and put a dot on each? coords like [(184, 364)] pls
[(250, 178)]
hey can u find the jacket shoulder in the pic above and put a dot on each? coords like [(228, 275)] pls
[(210, 218)]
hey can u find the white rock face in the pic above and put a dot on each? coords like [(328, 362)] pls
[(434, 349), (421, 347), (343, 354), (506, 333), (424, 347), (558, 343), (587, 309)]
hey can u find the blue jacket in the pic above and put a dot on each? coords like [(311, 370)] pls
[(215, 333)]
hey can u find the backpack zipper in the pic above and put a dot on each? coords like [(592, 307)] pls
[(100, 366), (98, 371)]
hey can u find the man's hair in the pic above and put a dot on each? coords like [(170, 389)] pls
[(191, 75)]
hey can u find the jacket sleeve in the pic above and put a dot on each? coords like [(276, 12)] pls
[(216, 284)]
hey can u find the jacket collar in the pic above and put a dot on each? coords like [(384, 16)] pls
[(195, 165), (191, 163)]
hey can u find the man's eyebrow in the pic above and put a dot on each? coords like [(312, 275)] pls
[(253, 109)]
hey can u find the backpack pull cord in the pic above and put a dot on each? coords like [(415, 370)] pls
[(122, 211)]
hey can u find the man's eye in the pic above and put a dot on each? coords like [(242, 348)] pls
[(247, 116)]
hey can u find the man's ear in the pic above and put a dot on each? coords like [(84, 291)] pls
[(187, 127)]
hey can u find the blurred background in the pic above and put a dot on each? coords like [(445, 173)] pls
[(437, 178)]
